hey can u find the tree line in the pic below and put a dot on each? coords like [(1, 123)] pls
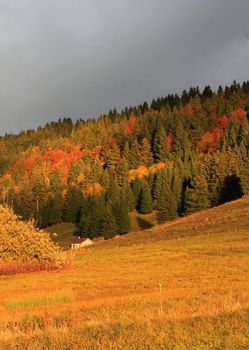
[(179, 155)]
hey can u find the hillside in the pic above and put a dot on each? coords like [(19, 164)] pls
[(230, 216), (112, 292), (182, 154), (227, 217)]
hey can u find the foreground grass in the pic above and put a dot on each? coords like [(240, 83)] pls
[(111, 299), (115, 302)]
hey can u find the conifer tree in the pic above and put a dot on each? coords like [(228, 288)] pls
[(196, 195), (243, 135), (108, 225), (160, 180), (120, 211), (168, 206), (145, 154), (243, 170), (134, 155), (72, 205), (177, 186), (127, 197), (122, 172), (145, 205), (92, 213), (113, 191), (55, 210), (211, 166), (52, 211), (85, 226), (136, 188), (159, 146)]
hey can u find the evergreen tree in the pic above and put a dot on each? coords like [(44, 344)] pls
[(196, 195), (127, 197), (72, 205), (55, 210), (159, 147), (160, 180), (134, 155), (108, 225), (243, 170), (122, 172), (145, 201), (136, 188), (120, 212), (52, 211), (145, 154), (177, 186), (85, 226), (113, 191), (25, 203), (168, 206), (92, 213)]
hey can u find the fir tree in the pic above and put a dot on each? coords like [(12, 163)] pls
[(127, 197), (134, 155), (168, 206), (196, 195), (145, 154), (145, 201), (120, 211), (159, 147), (108, 225), (136, 188), (160, 180), (122, 172), (55, 210), (72, 205), (113, 191)]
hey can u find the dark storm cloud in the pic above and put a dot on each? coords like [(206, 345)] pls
[(82, 57)]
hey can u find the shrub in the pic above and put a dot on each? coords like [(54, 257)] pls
[(23, 244)]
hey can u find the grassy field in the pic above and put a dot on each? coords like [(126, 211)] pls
[(111, 298)]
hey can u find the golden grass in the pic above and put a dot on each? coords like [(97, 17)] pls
[(116, 302)]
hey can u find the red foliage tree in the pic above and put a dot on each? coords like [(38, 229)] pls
[(239, 114), (169, 142), (187, 111), (129, 126), (223, 122)]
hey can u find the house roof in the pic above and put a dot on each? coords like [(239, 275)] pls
[(78, 240)]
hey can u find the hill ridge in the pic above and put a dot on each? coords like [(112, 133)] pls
[(206, 221)]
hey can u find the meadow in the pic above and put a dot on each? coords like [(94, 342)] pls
[(182, 285)]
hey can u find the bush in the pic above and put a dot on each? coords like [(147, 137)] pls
[(22, 243)]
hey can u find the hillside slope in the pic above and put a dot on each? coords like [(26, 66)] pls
[(229, 216), (233, 215), (111, 298)]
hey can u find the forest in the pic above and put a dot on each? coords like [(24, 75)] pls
[(178, 155)]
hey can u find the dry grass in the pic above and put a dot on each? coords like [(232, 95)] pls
[(200, 261)]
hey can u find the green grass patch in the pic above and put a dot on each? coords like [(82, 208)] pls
[(40, 301)]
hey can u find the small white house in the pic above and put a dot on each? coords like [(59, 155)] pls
[(80, 242)]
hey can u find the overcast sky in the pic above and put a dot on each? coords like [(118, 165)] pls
[(80, 58)]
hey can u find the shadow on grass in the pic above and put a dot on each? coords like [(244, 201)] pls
[(144, 224)]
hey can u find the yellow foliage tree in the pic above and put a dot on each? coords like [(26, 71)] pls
[(21, 242)]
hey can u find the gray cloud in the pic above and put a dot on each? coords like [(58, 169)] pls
[(80, 58)]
